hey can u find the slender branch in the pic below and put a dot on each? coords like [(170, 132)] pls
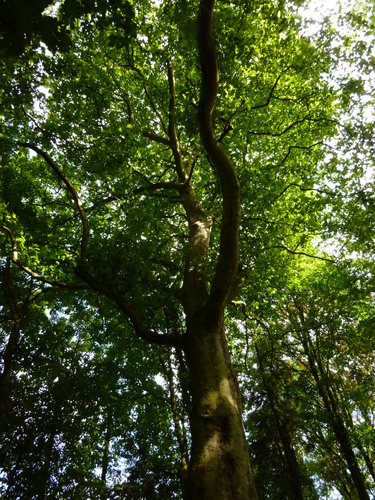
[(149, 188), (172, 134), (294, 252), (294, 184), (290, 148), (30, 272), (306, 118), (73, 193), (271, 92), (130, 109), (178, 186), (13, 243), (191, 171), (278, 134), (104, 201), (150, 99)]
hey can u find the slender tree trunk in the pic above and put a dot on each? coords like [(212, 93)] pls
[(338, 426), (332, 406), (105, 458), (342, 437), (290, 455), (178, 425), (219, 465), (286, 440), (45, 471), (5, 375), (370, 465), (16, 313), (366, 457)]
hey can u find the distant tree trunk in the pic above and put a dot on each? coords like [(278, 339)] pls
[(368, 461), (219, 465), (105, 458), (5, 376), (327, 393), (16, 313), (343, 439), (45, 470), (286, 440), (338, 425), (179, 430)]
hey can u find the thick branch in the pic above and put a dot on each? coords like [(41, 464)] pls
[(130, 313), (153, 186), (150, 99), (149, 336), (156, 138), (172, 134), (228, 255)]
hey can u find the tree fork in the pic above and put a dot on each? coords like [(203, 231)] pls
[(220, 466)]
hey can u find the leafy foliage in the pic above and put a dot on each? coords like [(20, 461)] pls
[(102, 166)]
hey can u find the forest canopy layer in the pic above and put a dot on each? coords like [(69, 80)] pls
[(187, 253)]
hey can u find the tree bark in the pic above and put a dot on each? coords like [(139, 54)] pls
[(178, 425), (6, 374), (105, 457), (219, 465)]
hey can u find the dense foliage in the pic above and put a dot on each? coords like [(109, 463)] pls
[(105, 173)]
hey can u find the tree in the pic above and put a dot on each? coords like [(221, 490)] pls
[(125, 165), (304, 360)]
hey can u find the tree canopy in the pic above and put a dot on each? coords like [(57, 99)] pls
[(187, 259)]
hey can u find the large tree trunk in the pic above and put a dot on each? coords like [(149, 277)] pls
[(219, 465)]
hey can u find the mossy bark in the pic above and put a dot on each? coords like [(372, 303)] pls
[(219, 465)]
